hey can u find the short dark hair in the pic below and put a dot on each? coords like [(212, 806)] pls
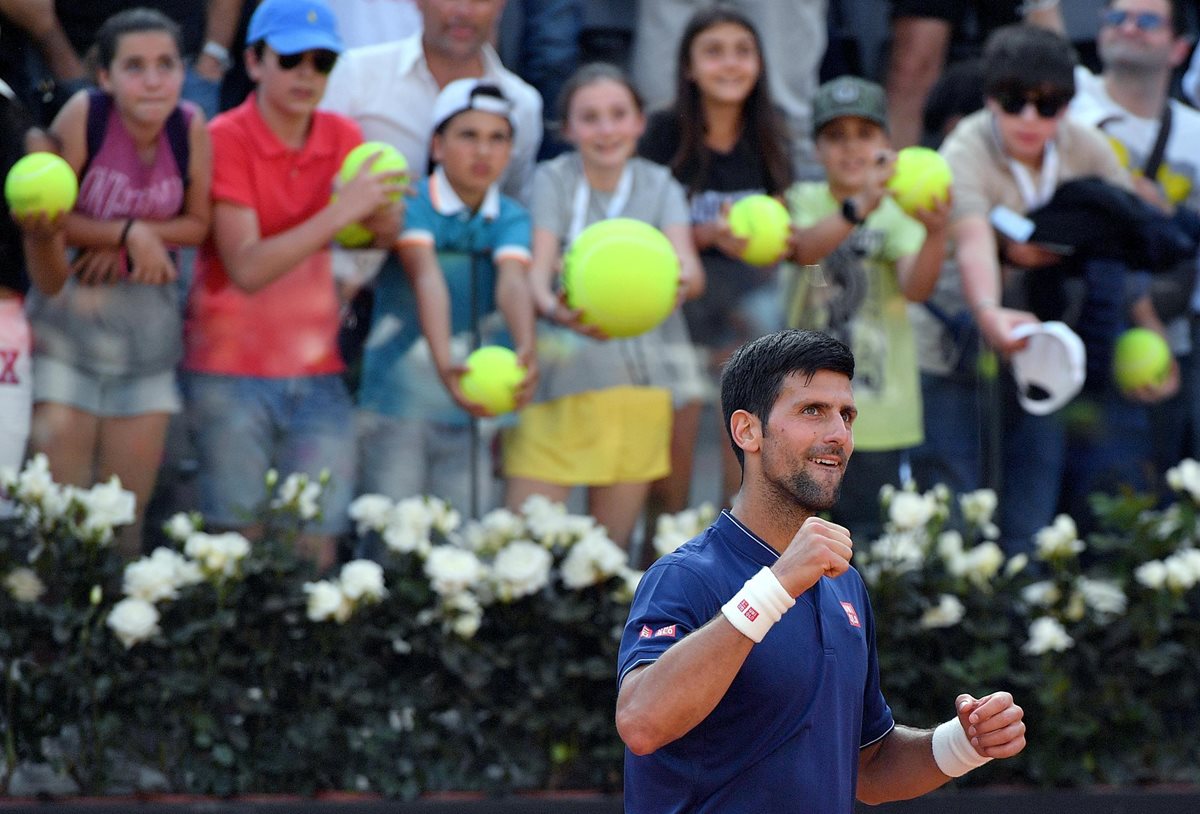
[(131, 21), (1028, 58), (1174, 15), (753, 376)]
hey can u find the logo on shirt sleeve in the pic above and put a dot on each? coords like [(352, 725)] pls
[(670, 631), (851, 614)]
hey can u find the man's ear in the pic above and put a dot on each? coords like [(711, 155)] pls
[(746, 430)]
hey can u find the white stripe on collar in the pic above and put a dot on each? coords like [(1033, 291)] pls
[(749, 533), (446, 201)]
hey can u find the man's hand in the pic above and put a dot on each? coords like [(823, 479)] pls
[(819, 549), (997, 324), (994, 724)]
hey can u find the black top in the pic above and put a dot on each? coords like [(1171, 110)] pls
[(81, 20), (14, 121)]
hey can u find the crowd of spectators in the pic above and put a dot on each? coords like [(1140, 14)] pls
[(193, 322)]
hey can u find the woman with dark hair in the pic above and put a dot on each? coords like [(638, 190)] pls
[(723, 139)]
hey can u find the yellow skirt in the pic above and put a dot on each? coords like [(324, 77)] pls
[(596, 438)]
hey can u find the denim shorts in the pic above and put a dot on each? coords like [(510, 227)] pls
[(101, 394), (244, 425), (406, 457)]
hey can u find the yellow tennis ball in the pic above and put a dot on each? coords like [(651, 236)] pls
[(763, 222), (492, 377), (623, 274), (41, 182), (1141, 357), (922, 178), (356, 236)]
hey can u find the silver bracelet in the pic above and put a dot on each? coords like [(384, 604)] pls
[(220, 53)]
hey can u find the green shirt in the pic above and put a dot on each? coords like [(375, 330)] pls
[(854, 294)]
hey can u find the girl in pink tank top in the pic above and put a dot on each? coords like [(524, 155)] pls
[(107, 330)]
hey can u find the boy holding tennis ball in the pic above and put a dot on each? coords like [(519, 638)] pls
[(861, 260), (458, 280)]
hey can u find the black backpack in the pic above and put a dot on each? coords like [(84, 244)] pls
[(176, 126)]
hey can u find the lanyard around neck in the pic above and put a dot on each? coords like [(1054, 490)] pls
[(583, 193)]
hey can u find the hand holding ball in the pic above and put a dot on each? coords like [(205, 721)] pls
[(623, 275), (493, 375), (763, 222), (921, 179), (41, 183), (1141, 358), (356, 236)]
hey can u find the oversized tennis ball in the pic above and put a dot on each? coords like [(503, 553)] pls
[(493, 374), (921, 179), (1141, 357), (623, 275), (356, 236), (41, 182), (763, 222)]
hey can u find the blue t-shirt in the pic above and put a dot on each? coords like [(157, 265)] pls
[(787, 734), (399, 378)]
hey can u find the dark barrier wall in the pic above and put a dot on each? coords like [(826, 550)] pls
[(1156, 801)]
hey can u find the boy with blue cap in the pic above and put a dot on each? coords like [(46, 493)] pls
[(264, 387)]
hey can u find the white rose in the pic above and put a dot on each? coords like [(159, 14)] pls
[(301, 492), (1102, 596), (106, 506), (362, 579), (326, 601), (452, 570), (408, 529), (218, 554), (1041, 594), (35, 481), (443, 518), (180, 526), (1181, 575), (983, 562), (24, 585), (947, 613), (371, 512), (1152, 574), (133, 620), (151, 578), (1016, 564), (1185, 478), (465, 613), (909, 510), (1045, 635), (949, 545), (898, 552), (1059, 540), (979, 506), (593, 559), (520, 569), (630, 579)]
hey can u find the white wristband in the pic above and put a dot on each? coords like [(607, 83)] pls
[(953, 752), (760, 603)]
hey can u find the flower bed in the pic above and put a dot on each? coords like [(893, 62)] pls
[(481, 655)]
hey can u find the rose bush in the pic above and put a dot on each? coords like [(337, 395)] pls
[(480, 654)]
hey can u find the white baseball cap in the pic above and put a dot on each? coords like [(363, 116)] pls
[(462, 95), (1050, 369)]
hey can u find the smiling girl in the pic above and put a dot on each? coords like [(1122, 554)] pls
[(723, 140), (107, 332), (603, 417)]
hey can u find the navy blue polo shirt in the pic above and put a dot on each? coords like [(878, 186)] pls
[(787, 734)]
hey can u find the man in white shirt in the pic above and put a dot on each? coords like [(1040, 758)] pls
[(1141, 42), (389, 89)]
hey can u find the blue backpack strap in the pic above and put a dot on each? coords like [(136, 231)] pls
[(99, 105), (176, 127)]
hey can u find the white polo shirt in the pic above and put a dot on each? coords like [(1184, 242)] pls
[(389, 90)]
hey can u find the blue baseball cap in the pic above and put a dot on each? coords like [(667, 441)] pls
[(295, 26)]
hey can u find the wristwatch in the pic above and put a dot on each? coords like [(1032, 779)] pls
[(850, 212)]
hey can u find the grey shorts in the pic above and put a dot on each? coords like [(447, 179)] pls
[(101, 394)]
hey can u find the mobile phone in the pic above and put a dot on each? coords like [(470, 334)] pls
[(1011, 224)]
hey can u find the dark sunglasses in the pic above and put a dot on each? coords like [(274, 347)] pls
[(1143, 20), (1048, 105), (323, 61)]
